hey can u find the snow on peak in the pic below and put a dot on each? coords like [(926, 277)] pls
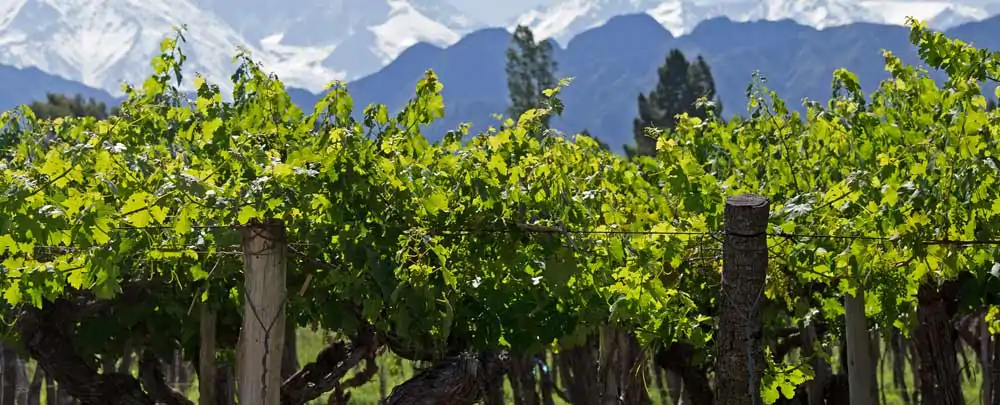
[(566, 18), (816, 13), (955, 15), (104, 42), (939, 14), (405, 26)]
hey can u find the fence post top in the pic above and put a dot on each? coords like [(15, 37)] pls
[(265, 223), (747, 200)]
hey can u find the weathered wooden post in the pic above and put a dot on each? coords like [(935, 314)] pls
[(263, 333), (860, 361), (740, 358)]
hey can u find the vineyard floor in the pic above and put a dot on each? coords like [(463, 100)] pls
[(395, 371), (398, 370)]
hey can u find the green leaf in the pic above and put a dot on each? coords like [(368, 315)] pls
[(158, 214), (616, 249), (12, 294), (247, 213), (436, 202), (769, 394), (561, 266), (182, 221), (209, 127), (449, 277), (136, 209), (152, 86), (75, 279), (7, 243), (197, 273)]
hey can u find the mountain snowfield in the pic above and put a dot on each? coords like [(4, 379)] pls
[(102, 43), (566, 18)]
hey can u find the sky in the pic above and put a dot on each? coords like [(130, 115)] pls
[(486, 10)]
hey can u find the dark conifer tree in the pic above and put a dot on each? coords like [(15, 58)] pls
[(679, 86), (530, 69)]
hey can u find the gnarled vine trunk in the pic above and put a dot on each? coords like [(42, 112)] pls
[(937, 364), (620, 369), (35, 389), (12, 377), (577, 366), (679, 358), (290, 355), (520, 371), (225, 384), (462, 380), (46, 334)]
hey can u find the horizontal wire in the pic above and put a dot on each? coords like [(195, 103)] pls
[(530, 228), (543, 229)]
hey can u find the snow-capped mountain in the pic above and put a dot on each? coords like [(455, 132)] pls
[(104, 42), (939, 14), (566, 18), (816, 13), (308, 43), (318, 41), (570, 17), (324, 23)]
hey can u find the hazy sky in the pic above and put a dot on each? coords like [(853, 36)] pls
[(487, 10)]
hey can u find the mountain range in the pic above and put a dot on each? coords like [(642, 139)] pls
[(568, 18), (611, 62), (609, 72), (100, 43)]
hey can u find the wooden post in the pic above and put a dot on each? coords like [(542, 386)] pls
[(263, 333), (739, 361), (206, 357), (860, 363)]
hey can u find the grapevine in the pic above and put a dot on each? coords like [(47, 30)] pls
[(517, 239)]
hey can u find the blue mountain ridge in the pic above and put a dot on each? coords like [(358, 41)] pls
[(610, 65)]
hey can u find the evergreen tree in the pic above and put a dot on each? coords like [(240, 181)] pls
[(701, 85), (58, 105), (530, 69), (680, 84)]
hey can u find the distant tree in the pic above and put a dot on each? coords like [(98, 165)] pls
[(530, 69), (991, 104), (680, 84), (58, 105)]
